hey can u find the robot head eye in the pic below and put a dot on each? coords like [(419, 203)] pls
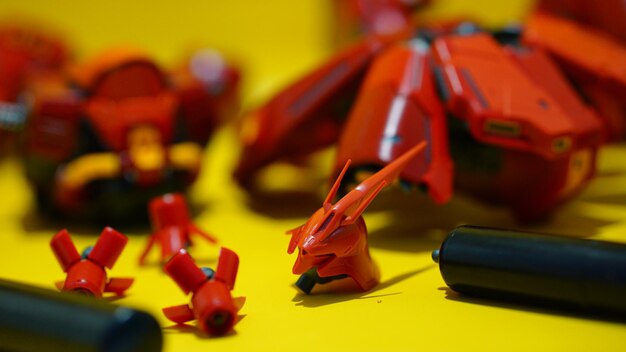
[(208, 272), (86, 252)]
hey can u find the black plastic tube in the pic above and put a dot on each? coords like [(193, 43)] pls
[(36, 319), (511, 265)]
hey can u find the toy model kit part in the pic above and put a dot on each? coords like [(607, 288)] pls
[(332, 244), (212, 305), (172, 226), (87, 274)]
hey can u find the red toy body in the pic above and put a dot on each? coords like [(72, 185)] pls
[(333, 242), (87, 274), (121, 126), (171, 226), (211, 302), (500, 116)]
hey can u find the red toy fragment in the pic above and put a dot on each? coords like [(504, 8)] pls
[(332, 244), (87, 274), (171, 226), (211, 302)]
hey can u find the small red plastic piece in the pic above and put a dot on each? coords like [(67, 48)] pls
[(211, 302), (88, 274), (333, 241), (64, 249), (171, 226)]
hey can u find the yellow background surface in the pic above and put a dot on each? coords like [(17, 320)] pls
[(411, 309)]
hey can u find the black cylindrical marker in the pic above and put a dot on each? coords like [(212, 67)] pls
[(36, 319), (507, 264)]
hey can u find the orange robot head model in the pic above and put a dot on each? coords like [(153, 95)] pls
[(333, 242)]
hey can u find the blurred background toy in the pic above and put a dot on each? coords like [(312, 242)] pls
[(118, 131), (86, 272)]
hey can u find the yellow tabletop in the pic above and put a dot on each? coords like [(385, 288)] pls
[(410, 310)]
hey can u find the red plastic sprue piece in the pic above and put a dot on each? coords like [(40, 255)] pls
[(171, 226), (211, 302), (86, 274)]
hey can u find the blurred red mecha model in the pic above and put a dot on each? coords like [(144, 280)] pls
[(121, 128), (332, 244), (211, 302), (608, 16), (514, 117), (172, 226), (26, 51), (86, 273)]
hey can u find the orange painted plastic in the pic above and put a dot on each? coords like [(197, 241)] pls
[(121, 104), (307, 115), (211, 302), (397, 108), (88, 275), (334, 239), (475, 68)]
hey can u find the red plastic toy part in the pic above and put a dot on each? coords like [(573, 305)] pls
[(333, 242), (211, 302), (87, 274), (171, 226)]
